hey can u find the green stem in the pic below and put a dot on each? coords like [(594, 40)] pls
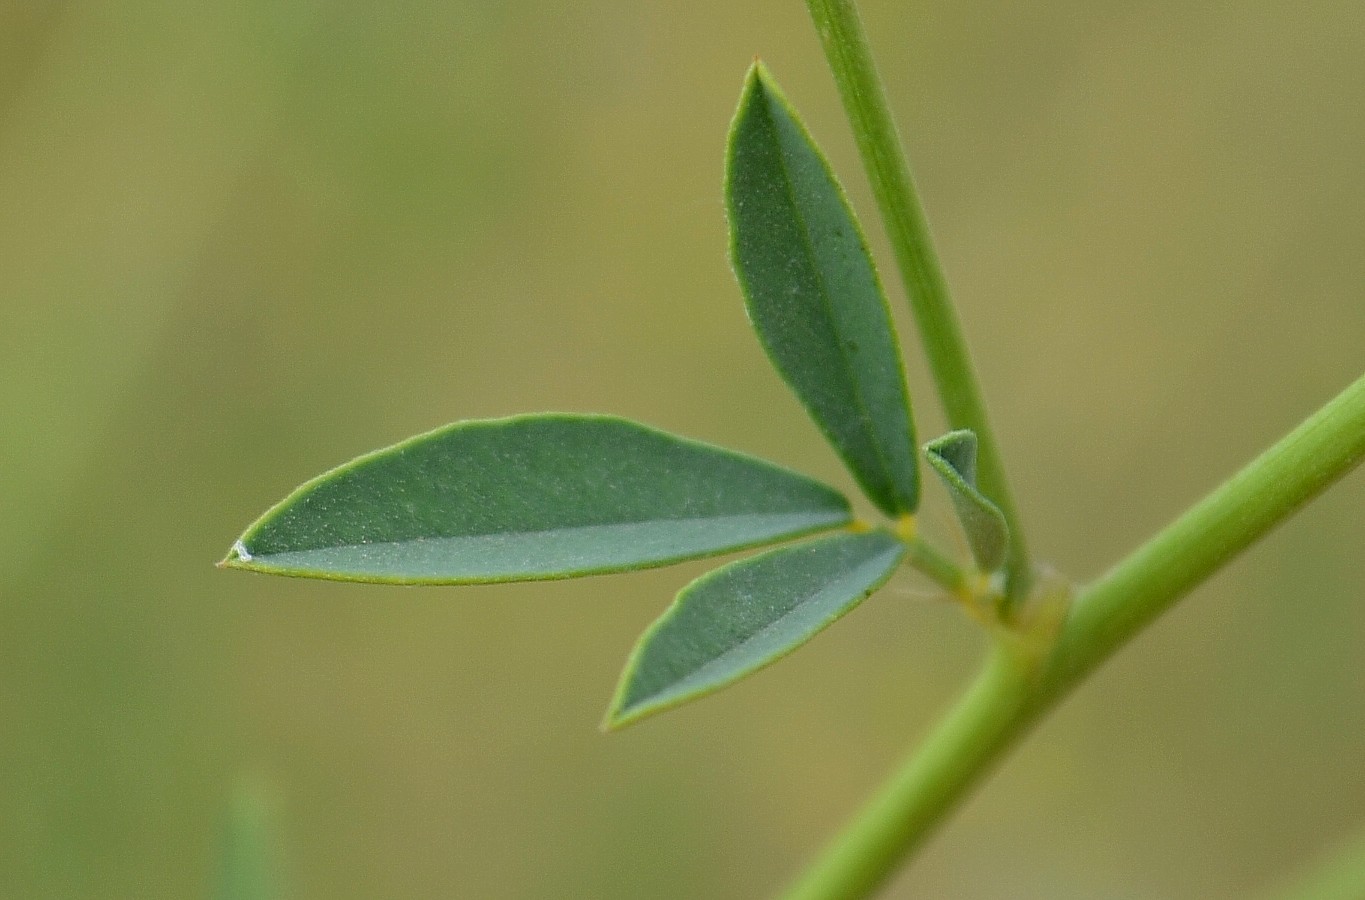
[(929, 783), (1271, 488), (927, 559), (850, 58), (1010, 696)]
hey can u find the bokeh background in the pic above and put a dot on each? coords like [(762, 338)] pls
[(241, 242)]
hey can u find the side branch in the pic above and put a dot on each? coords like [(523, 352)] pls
[(850, 58)]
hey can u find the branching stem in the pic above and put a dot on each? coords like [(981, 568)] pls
[(1011, 694)]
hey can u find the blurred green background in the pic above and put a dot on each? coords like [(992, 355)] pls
[(245, 241)]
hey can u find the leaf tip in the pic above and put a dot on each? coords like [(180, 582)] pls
[(752, 83), (238, 557), (624, 708), (619, 715), (759, 83), (956, 449)]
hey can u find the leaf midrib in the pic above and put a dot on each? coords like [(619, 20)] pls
[(826, 302), (830, 520)]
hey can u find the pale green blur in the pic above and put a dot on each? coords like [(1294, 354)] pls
[(242, 242)]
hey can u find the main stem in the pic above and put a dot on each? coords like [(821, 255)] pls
[(1013, 693), (963, 746), (850, 58)]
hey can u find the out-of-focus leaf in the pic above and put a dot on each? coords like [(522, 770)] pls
[(813, 294), (953, 457), (743, 616), (528, 498), (249, 860)]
